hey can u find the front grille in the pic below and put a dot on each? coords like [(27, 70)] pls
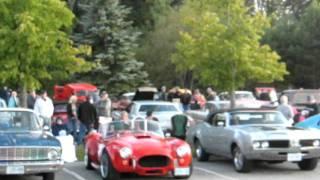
[(279, 144), (23, 154), (154, 161), (306, 143)]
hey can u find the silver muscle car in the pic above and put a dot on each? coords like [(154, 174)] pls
[(25, 148), (247, 135)]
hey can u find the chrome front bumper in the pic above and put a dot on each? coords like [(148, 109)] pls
[(281, 154), (31, 167)]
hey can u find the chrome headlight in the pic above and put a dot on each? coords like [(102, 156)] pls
[(125, 152), (265, 144), (53, 155), (256, 145), (183, 150), (316, 143)]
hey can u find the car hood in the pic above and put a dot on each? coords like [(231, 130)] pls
[(27, 139), (146, 143), (279, 132)]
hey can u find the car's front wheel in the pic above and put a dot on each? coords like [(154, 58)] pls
[(308, 164), (48, 176), (107, 170), (240, 162), (201, 154)]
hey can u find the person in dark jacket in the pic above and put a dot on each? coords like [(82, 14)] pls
[(31, 99), (87, 115)]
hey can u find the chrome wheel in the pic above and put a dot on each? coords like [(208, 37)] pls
[(85, 158), (104, 166), (198, 151), (238, 160)]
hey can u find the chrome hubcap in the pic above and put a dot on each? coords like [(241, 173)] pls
[(104, 166), (238, 160), (198, 151), (85, 158)]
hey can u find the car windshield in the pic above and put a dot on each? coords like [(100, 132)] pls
[(157, 108), (244, 96), (18, 121), (133, 126), (302, 97), (238, 96), (246, 118)]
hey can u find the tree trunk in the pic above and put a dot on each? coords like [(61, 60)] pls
[(232, 99)]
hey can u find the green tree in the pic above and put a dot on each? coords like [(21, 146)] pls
[(102, 24), (34, 45), (146, 13), (157, 48), (222, 45), (297, 41)]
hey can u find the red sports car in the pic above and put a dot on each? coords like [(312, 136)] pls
[(137, 147)]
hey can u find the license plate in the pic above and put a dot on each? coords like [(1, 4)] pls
[(182, 171), (15, 170), (294, 157)]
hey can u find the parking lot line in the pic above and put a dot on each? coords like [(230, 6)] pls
[(214, 173), (73, 174)]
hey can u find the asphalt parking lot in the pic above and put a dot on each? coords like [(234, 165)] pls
[(214, 169)]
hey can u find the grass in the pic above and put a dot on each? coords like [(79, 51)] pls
[(80, 152)]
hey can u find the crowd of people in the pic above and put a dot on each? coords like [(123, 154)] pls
[(188, 99)]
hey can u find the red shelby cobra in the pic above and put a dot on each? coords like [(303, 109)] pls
[(137, 147)]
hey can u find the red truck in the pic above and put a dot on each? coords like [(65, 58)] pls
[(63, 93)]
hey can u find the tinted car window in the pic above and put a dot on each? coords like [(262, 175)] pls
[(157, 108), (18, 121)]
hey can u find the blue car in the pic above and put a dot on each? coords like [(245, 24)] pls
[(25, 147), (311, 122)]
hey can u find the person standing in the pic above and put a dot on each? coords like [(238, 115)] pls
[(104, 105), (73, 123), (199, 98), (286, 109), (185, 100), (87, 115), (163, 95), (4, 94), (13, 100), (44, 107), (31, 99)]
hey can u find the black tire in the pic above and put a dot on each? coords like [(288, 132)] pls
[(201, 154), (308, 164), (185, 177), (48, 176), (107, 171), (87, 160), (240, 162)]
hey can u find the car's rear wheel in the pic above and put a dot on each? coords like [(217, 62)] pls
[(48, 176), (201, 154), (240, 162), (87, 160), (107, 170), (308, 164)]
